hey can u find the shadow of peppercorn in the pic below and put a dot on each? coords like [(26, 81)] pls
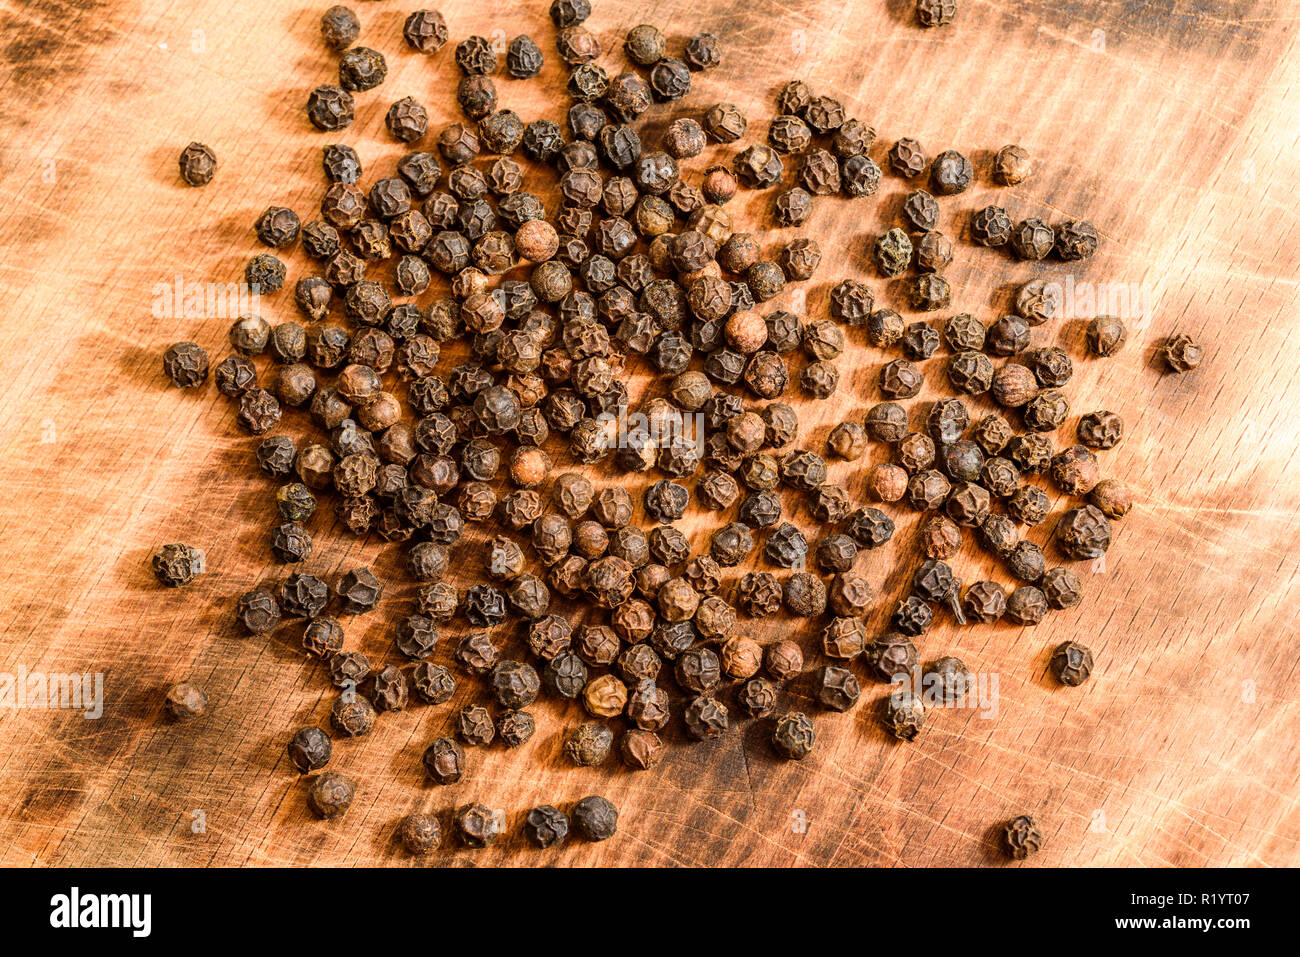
[(982, 160), (991, 846), (756, 740), (1042, 675), (895, 295), (1155, 356), (160, 165), (903, 11), (1070, 333), (872, 713), (1002, 299), (800, 692)]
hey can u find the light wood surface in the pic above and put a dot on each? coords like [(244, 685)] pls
[(1172, 126)]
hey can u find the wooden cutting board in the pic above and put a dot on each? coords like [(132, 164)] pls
[(1170, 125)]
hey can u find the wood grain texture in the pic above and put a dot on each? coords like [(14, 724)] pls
[(1171, 125)]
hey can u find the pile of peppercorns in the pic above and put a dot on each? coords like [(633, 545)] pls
[(637, 270)]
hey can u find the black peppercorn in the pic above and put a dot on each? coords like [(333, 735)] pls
[(991, 226), (1083, 533), (477, 825), (1061, 587), (1181, 353), (310, 749), (419, 833), (794, 735), (352, 715), (176, 565), (1071, 663), (515, 728), (186, 365), (949, 679), (588, 744), (1022, 837), (330, 108), (890, 655), (433, 684), (837, 688), (1032, 239), (912, 616), (870, 527), (515, 685), (904, 715), (595, 818), (804, 595), (198, 164), (705, 717), (1105, 335), (546, 826), (330, 795), (323, 636), (899, 379), (951, 173)]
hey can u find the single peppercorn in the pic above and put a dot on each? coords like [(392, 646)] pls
[(186, 365), (890, 655), (998, 534), (176, 565), (309, 749), (330, 108), (425, 31), (949, 680), (794, 736), (804, 595), (907, 158), (323, 636), (984, 601), (1032, 239), (1071, 663), (951, 172), (198, 164), (1027, 605), (330, 795), (1022, 837), (991, 226), (477, 825), (588, 744), (1011, 165), (940, 537), (1076, 239), (1083, 533), (912, 617), (595, 818), (705, 717), (1112, 497), (352, 715), (1029, 505), (837, 688), (1061, 587), (419, 833), (185, 701), (904, 715), (893, 252), (1105, 335), (546, 826), (1026, 561), (935, 13), (1181, 353)]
